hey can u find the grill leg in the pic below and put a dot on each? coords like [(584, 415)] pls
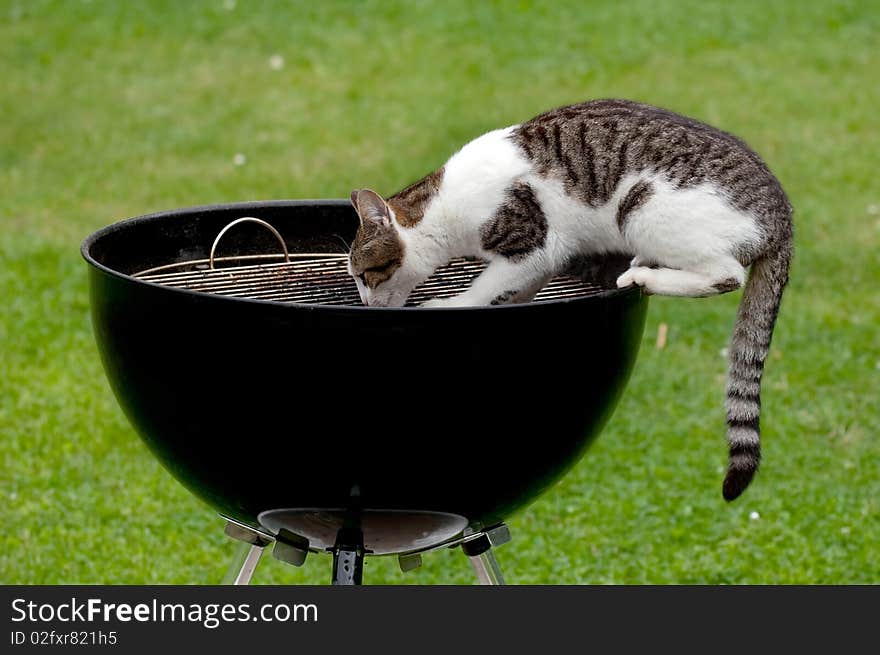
[(487, 569), (242, 568), (348, 557), (247, 556), (479, 552)]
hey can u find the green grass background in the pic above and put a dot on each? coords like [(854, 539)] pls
[(114, 109)]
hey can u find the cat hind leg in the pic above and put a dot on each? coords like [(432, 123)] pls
[(675, 282)]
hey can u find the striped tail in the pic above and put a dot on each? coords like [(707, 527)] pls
[(748, 350)]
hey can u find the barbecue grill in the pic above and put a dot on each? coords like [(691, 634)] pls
[(235, 343)]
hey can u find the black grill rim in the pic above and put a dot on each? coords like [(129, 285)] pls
[(247, 206)]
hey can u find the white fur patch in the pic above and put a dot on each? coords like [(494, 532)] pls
[(474, 183), (692, 229)]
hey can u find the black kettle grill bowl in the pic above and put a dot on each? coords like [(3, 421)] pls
[(402, 414)]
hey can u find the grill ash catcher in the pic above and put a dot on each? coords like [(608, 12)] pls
[(313, 424)]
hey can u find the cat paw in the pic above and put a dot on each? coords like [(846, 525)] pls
[(461, 300), (639, 275), (438, 302)]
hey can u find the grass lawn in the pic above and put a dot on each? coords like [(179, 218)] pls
[(114, 109)]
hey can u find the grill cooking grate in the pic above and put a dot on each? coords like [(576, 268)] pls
[(323, 279)]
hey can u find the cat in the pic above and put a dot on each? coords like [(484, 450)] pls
[(691, 205)]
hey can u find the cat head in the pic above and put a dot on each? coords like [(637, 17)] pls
[(378, 260)]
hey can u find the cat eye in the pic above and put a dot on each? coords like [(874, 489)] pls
[(380, 269), (372, 270)]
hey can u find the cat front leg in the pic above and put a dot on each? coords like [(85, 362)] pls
[(502, 283)]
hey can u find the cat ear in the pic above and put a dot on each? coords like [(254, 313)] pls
[(371, 207)]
